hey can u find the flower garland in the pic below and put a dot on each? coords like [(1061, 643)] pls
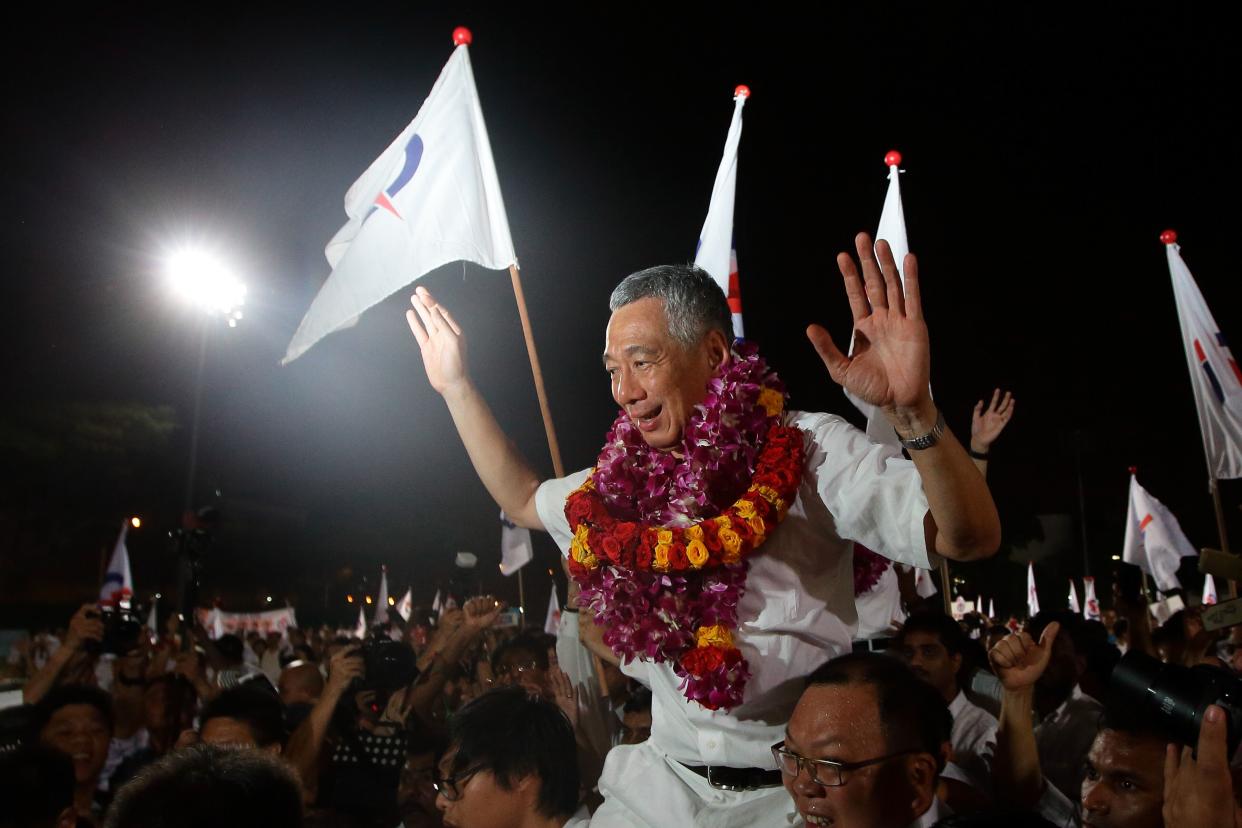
[(868, 569), (661, 575)]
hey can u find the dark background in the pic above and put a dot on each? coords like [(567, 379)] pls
[(1046, 148)]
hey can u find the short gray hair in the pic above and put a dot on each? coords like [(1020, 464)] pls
[(694, 304)]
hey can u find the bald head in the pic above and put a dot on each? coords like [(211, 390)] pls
[(300, 683)]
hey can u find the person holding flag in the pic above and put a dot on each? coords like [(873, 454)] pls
[(680, 496)]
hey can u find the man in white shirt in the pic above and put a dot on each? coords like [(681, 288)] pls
[(932, 644), (668, 339)]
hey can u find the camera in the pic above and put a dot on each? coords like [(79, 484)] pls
[(1178, 696), (390, 665), (122, 627)]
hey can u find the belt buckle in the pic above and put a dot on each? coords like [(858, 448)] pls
[(721, 786)]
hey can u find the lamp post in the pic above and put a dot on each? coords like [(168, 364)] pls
[(203, 280)]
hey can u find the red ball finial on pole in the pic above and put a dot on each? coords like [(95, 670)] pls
[(742, 91), (462, 35), (1168, 237), (1134, 470), (893, 158)]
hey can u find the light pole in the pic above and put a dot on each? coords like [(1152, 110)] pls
[(203, 280)]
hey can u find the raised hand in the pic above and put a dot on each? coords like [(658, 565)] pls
[(1019, 661), (441, 341), (481, 612), (891, 364), (566, 695), (1198, 790), (345, 666), (986, 424), (86, 625)]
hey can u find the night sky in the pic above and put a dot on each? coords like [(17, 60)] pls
[(1045, 148)]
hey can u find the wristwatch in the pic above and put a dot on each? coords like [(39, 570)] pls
[(927, 440)]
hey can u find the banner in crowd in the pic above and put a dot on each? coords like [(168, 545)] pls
[(431, 198), (1214, 373), (118, 581), (715, 252), (1154, 539), (218, 622), (516, 550), (961, 608)]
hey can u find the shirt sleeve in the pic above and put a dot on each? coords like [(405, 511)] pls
[(874, 494), (550, 503)]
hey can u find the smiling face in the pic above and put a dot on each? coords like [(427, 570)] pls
[(81, 732), (841, 722), (655, 378)]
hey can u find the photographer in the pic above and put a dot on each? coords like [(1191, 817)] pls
[(1134, 777), (71, 663)]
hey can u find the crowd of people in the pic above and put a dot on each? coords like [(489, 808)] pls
[(712, 667)]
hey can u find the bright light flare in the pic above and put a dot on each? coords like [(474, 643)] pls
[(135, 522), (206, 281)]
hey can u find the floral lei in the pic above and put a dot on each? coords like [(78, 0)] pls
[(660, 542)]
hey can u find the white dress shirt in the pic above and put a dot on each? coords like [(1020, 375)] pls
[(1064, 738), (798, 607), (879, 608), (974, 739)]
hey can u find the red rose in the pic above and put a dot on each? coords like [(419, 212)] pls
[(578, 508), (611, 547), (645, 552), (625, 532), (710, 539), (677, 556), (702, 660), (743, 531), (595, 539)]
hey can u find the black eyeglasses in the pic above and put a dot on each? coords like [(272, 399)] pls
[(824, 772), (446, 786)]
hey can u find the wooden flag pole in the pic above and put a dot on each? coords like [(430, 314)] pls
[(1220, 528), (553, 447), (947, 585)]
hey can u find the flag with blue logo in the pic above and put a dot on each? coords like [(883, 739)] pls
[(431, 198), (1214, 373), (118, 583), (715, 252)]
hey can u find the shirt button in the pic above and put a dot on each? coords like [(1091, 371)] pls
[(711, 744)]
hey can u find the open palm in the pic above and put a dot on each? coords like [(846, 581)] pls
[(440, 339), (891, 363)]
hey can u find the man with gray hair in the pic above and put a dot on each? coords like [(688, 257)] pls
[(712, 538)]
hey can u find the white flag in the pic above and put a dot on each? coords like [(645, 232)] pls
[(1073, 598), (893, 230), (381, 605), (1154, 540), (991, 610), (1090, 604), (924, 584), (360, 631), (1214, 373), (118, 582), (1032, 596), (437, 605), (715, 253), (515, 546), (153, 623), (553, 620), (431, 198), (1209, 590), (406, 605), (214, 624)]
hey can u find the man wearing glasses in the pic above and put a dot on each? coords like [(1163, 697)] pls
[(865, 745), (511, 763)]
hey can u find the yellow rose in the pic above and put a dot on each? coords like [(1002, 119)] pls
[(694, 532), (722, 522), (696, 553), (664, 536), (715, 635), (661, 558), (773, 402), (731, 541), (756, 524), (730, 558), (578, 547), (745, 509)]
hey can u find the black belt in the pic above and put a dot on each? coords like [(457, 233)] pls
[(874, 645), (737, 779)]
